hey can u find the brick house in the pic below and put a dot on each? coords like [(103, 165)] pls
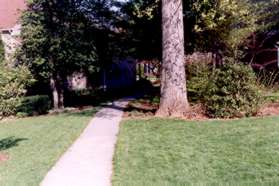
[(10, 12)]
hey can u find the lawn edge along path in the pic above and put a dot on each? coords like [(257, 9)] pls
[(89, 160)]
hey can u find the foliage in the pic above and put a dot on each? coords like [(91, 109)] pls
[(197, 80), (228, 91), (2, 51), (34, 105), (217, 26), (178, 152), (220, 25), (141, 21), (57, 40), (260, 47), (83, 98), (41, 142), (13, 82), (107, 33), (232, 92), (269, 14)]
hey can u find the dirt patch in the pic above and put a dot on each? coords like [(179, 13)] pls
[(3, 157), (271, 109)]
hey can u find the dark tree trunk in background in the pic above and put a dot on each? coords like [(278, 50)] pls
[(173, 101), (55, 94), (61, 97), (57, 88)]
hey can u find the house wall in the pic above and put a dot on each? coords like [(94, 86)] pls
[(11, 41), (77, 81)]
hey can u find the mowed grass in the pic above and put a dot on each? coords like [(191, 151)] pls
[(33, 145), (173, 152)]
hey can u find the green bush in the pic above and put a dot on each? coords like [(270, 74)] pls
[(197, 80), (13, 81), (34, 105), (227, 91), (76, 98)]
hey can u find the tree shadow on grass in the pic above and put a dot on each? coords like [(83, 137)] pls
[(99, 113), (10, 142), (83, 113)]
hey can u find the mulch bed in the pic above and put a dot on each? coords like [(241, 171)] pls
[(146, 109), (197, 112), (271, 109), (140, 109)]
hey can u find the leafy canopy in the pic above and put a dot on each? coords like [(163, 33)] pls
[(56, 38)]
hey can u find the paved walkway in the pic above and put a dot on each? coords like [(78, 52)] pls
[(89, 161)]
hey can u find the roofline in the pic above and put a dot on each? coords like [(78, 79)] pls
[(9, 29), (5, 30)]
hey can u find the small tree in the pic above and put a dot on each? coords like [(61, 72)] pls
[(57, 40), (13, 82)]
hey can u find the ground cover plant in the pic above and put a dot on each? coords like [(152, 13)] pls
[(30, 147), (176, 152)]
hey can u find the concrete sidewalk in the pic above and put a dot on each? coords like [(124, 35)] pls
[(88, 162)]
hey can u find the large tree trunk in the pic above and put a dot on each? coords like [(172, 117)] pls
[(174, 101)]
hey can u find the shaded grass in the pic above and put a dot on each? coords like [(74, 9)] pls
[(271, 96), (173, 152), (35, 144)]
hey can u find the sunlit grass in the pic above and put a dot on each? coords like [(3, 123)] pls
[(173, 152), (35, 144)]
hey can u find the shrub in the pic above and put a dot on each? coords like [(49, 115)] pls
[(232, 92), (84, 97), (197, 80), (227, 91), (34, 105), (13, 81)]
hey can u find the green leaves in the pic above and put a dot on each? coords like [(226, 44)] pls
[(234, 90), (220, 24), (13, 83), (227, 91), (57, 38)]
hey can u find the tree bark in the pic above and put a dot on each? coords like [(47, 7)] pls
[(61, 89), (55, 94), (61, 98), (173, 101)]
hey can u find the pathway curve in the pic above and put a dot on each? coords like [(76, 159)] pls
[(88, 162)]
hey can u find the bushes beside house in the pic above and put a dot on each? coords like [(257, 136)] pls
[(13, 81), (34, 105), (227, 91)]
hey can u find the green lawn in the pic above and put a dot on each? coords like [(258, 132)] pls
[(35, 144), (173, 152)]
